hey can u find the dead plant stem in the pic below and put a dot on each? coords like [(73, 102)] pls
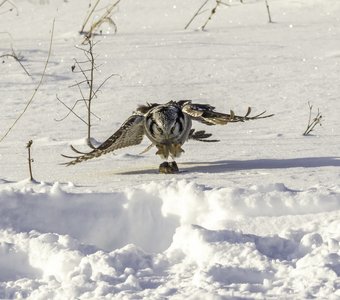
[(88, 16), (37, 87), (196, 14)]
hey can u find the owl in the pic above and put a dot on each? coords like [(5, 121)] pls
[(168, 126)]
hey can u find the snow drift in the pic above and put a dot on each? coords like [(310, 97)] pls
[(255, 216), (59, 244)]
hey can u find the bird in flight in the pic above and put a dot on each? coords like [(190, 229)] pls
[(168, 126)]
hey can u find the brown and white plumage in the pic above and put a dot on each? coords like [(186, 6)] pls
[(167, 126)]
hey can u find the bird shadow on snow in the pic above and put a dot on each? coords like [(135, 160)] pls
[(223, 166), (232, 165)]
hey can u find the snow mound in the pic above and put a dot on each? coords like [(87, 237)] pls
[(149, 215), (57, 244)]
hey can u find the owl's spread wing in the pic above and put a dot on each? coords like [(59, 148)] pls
[(206, 114), (129, 134)]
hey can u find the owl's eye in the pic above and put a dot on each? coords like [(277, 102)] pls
[(175, 128), (159, 129)]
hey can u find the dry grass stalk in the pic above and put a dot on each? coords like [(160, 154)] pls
[(37, 87), (88, 17), (200, 11), (312, 122), (268, 12), (105, 18), (213, 12), (16, 58), (30, 160)]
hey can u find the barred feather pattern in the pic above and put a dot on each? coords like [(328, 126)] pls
[(129, 134), (206, 114), (167, 126)]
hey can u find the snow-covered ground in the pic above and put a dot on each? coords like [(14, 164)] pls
[(254, 216)]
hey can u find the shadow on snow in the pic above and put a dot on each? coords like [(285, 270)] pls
[(223, 166)]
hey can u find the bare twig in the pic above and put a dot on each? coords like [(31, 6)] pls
[(105, 18), (30, 160), (268, 12), (37, 88), (12, 5), (196, 13), (86, 87), (103, 83), (71, 110), (3, 2), (89, 16), (17, 59), (212, 12), (90, 96), (312, 122)]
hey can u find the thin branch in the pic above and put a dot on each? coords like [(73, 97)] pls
[(90, 97), (82, 95), (106, 17), (213, 11), (114, 25), (82, 49), (81, 70), (102, 84), (78, 83), (17, 59), (196, 14), (12, 4), (93, 114), (3, 2), (86, 86), (202, 12), (312, 123), (84, 70), (38, 86), (88, 17), (81, 62), (222, 3), (70, 111), (30, 160), (85, 101), (268, 12)]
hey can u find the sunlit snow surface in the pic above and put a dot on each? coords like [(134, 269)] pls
[(254, 216)]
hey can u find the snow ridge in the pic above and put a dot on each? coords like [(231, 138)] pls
[(54, 244)]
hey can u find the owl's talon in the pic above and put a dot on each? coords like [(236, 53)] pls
[(168, 168)]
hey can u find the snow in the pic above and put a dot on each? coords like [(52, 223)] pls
[(254, 216), (145, 242)]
